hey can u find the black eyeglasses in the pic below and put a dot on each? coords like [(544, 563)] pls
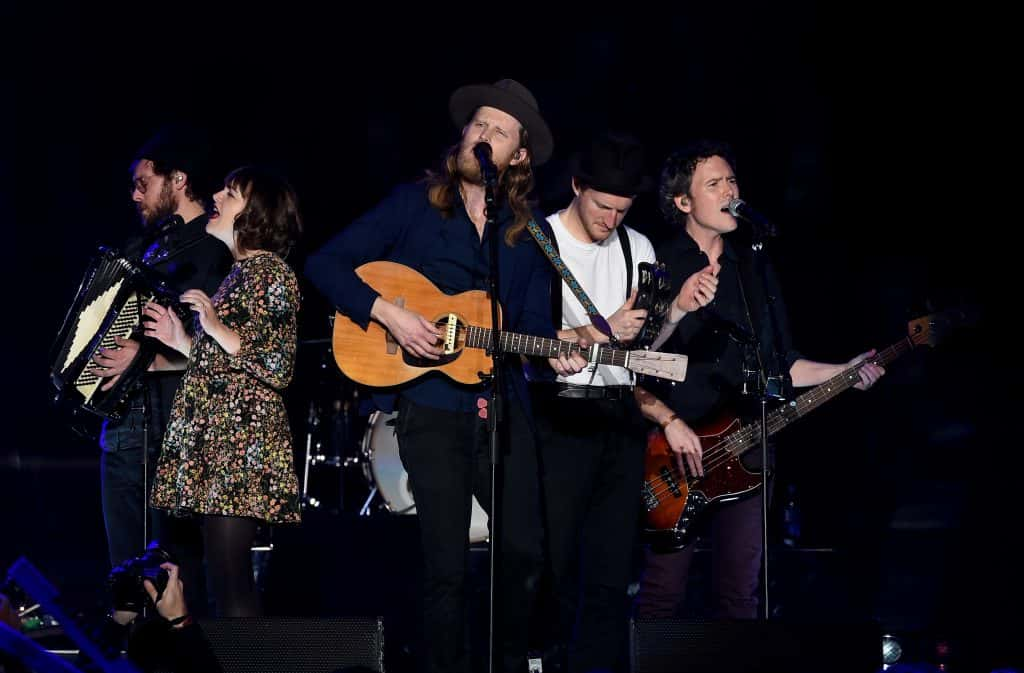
[(141, 183)]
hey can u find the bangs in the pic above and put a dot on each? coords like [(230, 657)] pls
[(241, 180)]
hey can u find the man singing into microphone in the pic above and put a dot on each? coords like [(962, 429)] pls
[(438, 228), (697, 188)]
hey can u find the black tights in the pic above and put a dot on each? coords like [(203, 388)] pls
[(228, 542)]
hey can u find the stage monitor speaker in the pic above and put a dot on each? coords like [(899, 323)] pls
[(297, 645), (691, 646)]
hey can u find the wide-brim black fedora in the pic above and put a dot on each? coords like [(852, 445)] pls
[(613, 163), (513, 98)]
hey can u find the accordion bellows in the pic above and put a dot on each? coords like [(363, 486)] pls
[(109, 304)]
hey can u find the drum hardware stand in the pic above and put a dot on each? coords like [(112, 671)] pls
[(260, 552), (317, 458), (365, 509), (314, 456), (312, 422)]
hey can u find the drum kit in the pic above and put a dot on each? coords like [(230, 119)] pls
[(349, 455)]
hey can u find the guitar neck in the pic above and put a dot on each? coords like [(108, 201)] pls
[(749, 436), (524, 344)]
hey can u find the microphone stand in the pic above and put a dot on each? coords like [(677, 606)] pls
[(768, 387), (495, 416)]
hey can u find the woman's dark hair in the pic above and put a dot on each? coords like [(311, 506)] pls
[(270, 220)]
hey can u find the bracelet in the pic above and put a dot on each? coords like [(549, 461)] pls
[(184, 619), (664, 424)]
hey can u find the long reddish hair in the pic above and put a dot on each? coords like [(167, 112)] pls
[(513, 186)]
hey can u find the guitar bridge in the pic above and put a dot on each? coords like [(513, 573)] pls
[(450, 333), (650, 499)]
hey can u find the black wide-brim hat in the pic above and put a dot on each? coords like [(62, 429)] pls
[(613, 163), (510, 97)]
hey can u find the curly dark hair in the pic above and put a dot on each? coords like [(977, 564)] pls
[(515, 185), (677, 174), (270, 220)]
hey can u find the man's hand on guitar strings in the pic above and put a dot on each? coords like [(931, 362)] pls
[(869, 372), (413, 332), (685, 444), (567, 365)]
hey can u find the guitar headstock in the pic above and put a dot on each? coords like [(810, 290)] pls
[(654, 293), (653, 287), (659, 365), (932, 328)]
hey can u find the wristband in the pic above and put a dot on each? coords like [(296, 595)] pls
[(184, 619), (664, 424)]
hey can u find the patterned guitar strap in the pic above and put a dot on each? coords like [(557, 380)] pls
[(596, 319)]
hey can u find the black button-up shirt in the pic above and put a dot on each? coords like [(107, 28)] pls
[(717, 337)]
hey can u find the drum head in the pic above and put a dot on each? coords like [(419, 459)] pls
[(380, 446), (386, 472)]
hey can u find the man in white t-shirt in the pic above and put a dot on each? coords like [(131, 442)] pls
[(592, 434)]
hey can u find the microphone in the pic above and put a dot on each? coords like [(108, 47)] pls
[(169, 222), (482, 152), (739, 208), (135, 249)]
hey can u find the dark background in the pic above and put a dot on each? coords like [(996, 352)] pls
[(870, 134)]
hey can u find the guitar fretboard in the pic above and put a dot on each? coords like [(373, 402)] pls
[(524, 344), (750, 435)]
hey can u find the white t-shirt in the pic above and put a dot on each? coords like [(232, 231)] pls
[(600, 269)]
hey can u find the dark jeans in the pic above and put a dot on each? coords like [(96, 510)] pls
[(122, 492), (446, 456), (735, 566), (123, 502), (592, 460)]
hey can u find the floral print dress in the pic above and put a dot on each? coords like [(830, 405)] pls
[(228, 447)]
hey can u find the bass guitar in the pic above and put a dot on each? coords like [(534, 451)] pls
[(674, 501)]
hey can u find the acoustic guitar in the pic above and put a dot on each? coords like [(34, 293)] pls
[(372, 356)]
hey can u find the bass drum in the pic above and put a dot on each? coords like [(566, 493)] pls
[(384, 470)]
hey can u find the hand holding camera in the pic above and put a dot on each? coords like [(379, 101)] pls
[(128, 593), (170, 603)]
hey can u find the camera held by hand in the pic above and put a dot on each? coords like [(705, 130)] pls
[(125, 581)]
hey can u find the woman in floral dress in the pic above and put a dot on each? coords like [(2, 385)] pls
[(227, 451)]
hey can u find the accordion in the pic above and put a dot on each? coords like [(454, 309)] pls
[(109, 304)]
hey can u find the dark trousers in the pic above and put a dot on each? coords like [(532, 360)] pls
[(124, 490), (735, 567), (446, 456), (592, 459), (122, 493)]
